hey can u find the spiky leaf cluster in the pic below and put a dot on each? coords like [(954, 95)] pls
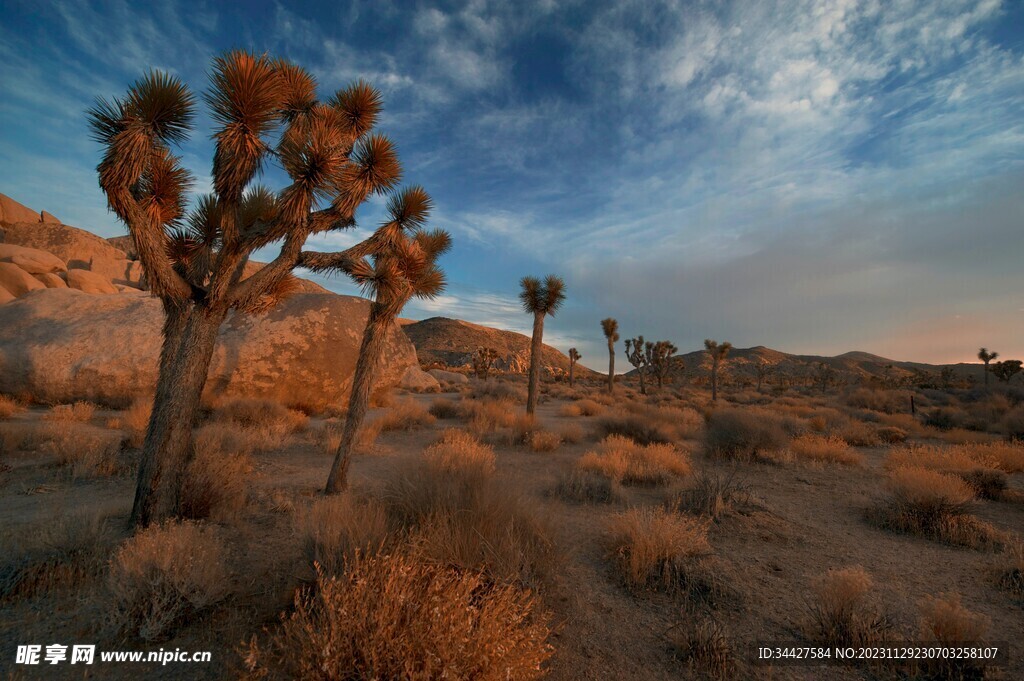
[(542, 297), (636, 352), (659, 356), (483, 361), (611, 329)]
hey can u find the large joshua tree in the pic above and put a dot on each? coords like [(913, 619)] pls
[(718, 352), (539, 299), (405, 268), (985, 356), (638, 358), (262, 109), (574, 356), (611, 334), (659, 359)]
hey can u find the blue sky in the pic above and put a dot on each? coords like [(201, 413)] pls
[(813, 176)]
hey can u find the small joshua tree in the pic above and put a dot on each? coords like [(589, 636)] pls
[(574, 356), (483, 361), (659, 359), (985, 356), (539, 299), (717, 352), (405, 268), (611, 333), (824, 376), (262, 110), (1005, 371), (635, 353), (762, 369)]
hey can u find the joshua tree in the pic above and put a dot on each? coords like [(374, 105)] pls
[(611, 332), (762, 369), (985, 356), (483, 360), (1007, 369), (262, 109), (824, 376), (638, 358), (659, 358), (405, 268), (539, 299), (718, 352), (574, 356)]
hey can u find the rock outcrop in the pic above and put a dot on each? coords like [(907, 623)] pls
[(418, 380), (449, 377), (61, 345)]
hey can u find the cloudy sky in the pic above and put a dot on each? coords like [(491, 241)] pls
[(817, 177)]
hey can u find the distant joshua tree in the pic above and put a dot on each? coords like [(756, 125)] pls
[(262, 110), (717, 352), (405, 268), (574, 356), (483, 361), (1006, 370), (762, 369), (824, 376), (985, 356), (635, 353), (540, 300), (659, 358), (611, 333)]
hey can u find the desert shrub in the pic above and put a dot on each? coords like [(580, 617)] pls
[(1010, 570), (885, 401), (520, 430), (9, 407), (486, 416), (945, 418), (444, 409), (62, 552), (635, 427), (544, 441), (216, 483), (85, 451), (825, 449), (711, 494), (973, 464), (840, 613), (459, 452), (571, 433), (1012, 424), (334, 529), (934, 504), (328, 437), (703, 643), (79, 412), (135, 420), (271, 423), (658, 549), (398, 616), (858, 434), (498, 390), (163, 576), (630, 463), (1005, 456), (404, 415), (584, 407), (892, 435), (745, 435), (381, 398), (945, 621), (587, 487)]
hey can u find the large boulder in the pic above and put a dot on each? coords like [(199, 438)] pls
[(89, 282), (76, 247), (17, 281), (418, 380), (449, 377), (61, 345), (12, 211), (32, 260), (51, 280)]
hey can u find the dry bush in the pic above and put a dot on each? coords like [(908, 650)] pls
[(858, 434), (959, 436), (271, 424), (743, 435), (885, 401), (584, 407), (328, 437), (712, 494), (1005, 456), (334, 529), (58, 553), (216, 483), (703, 643), (9, 407), (935, 505), (1012, 424), (520, 431), (629, 463), (946, 622), (945, 418), (840, 613), (135, 420), (397, 617), (165, 575), (972, 464), (1010, 570), (572, 433), (85, 451), (634, 427), (459, 452), (544, 441), (892, 435), (658, 549), (79, 412), (381, 398), (444, 409), (499, 390), (825, 449), (404, 415), (486, 416), (588, 488)]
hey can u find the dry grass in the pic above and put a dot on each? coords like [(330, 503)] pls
[(272, 424), (404, 415), (444, 409), (9, 407), (572, 433), (544, 441), (703, 643), (1010, 570), (398, 616), (1005, 456), (629, 463), (945, 621), (649, 424), (712, 494), (134, 421), (85, 451), (655, 548), (217, 481), (892, 435), (79, 412), (825, 449), (840, 613), (504, 391), (743, 435), (970, 463), (588, 488), (459, 452), (335, 529), (165, 575), (584, 407), (488, 415)]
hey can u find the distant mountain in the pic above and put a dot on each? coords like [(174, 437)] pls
[(452, 343)]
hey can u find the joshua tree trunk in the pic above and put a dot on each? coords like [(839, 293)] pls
[(714, 381), (191, 335), (572, 366), (660, 381), (986, 373), (371, 349), (643, 385), (535, 350), (611, 366)]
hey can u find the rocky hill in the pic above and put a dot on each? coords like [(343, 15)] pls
[(452, 343)]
